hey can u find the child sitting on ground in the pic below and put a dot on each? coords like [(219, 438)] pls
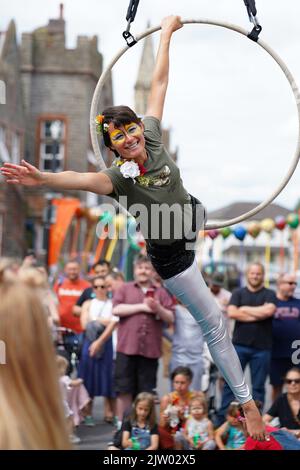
[(231, 435), (140, 431), (198, 428)]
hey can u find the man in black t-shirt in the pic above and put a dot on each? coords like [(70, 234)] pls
[(252, 308)]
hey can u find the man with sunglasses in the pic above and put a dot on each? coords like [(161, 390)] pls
[(285, 330)]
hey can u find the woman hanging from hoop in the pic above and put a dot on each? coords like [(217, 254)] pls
[(145, 173)]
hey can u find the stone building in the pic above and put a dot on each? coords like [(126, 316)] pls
[(12, 129), (58, 85)]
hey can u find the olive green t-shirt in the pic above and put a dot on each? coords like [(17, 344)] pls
[(160, 191)]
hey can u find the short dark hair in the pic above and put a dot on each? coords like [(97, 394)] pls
[(103, 278), (293, 369), (101, 262), (182, 370), (119, 116)]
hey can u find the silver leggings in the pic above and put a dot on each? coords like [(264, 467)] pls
[(190, 288)]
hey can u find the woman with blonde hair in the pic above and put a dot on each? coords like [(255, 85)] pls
[(8, 269), (37, 278), (31, 414)]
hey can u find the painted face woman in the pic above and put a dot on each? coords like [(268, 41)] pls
[(146, 180)]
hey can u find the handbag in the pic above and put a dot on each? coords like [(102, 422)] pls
[(93, 331)]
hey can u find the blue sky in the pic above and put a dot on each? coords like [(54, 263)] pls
[(230, 108)]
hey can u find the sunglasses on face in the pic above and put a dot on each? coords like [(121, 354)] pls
[(290, 381), (290, 283), (99, 287)]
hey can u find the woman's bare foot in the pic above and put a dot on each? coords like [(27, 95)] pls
[(254, 422)]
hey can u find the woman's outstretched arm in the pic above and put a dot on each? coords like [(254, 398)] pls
[(29, 175), (160, 76)]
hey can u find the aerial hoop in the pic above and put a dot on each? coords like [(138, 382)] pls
[(287, 73)]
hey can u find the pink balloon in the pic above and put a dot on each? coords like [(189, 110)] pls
[(213, 233), (280, 222)]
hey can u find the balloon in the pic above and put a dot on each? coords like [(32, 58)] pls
[(106, 218), (267, 225), (119, 221), (79, 212), (133, 235), (254, 229), (213, 234), (240, 232), (280, 222), (225, 232), (293, 220), (131, 227), (94, 213)]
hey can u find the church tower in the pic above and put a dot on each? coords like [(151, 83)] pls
[(142, 86)]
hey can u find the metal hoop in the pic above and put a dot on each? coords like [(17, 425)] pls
[(268, 49)]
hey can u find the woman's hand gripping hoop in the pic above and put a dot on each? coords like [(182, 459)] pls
[(287, 73)]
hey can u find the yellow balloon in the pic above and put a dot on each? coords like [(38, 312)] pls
[(267, 225), (119, 221)]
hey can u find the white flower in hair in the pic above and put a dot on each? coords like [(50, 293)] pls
[(130, 170)]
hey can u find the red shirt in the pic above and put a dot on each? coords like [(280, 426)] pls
[(141, 333), (68, 292)]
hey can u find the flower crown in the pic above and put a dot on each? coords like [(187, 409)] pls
[(100, 126)]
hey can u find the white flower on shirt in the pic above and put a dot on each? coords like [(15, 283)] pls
[(130, 170)]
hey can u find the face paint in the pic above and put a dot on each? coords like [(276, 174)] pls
[(118, 137), (133, 129)]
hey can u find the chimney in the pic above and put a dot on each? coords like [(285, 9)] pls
[(61, 11)]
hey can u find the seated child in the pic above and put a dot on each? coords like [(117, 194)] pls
[(231, 435), (140, 431), (198, 428)]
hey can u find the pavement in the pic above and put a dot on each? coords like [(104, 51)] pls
[(98, 436)]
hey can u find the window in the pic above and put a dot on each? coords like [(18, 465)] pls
[(16, 148), (4, 155), (2, 134), (2, 92), (52, 147)]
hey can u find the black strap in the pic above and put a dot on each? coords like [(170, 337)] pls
[(132, 9), (131, 12), (252, 12), (251, 8)]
